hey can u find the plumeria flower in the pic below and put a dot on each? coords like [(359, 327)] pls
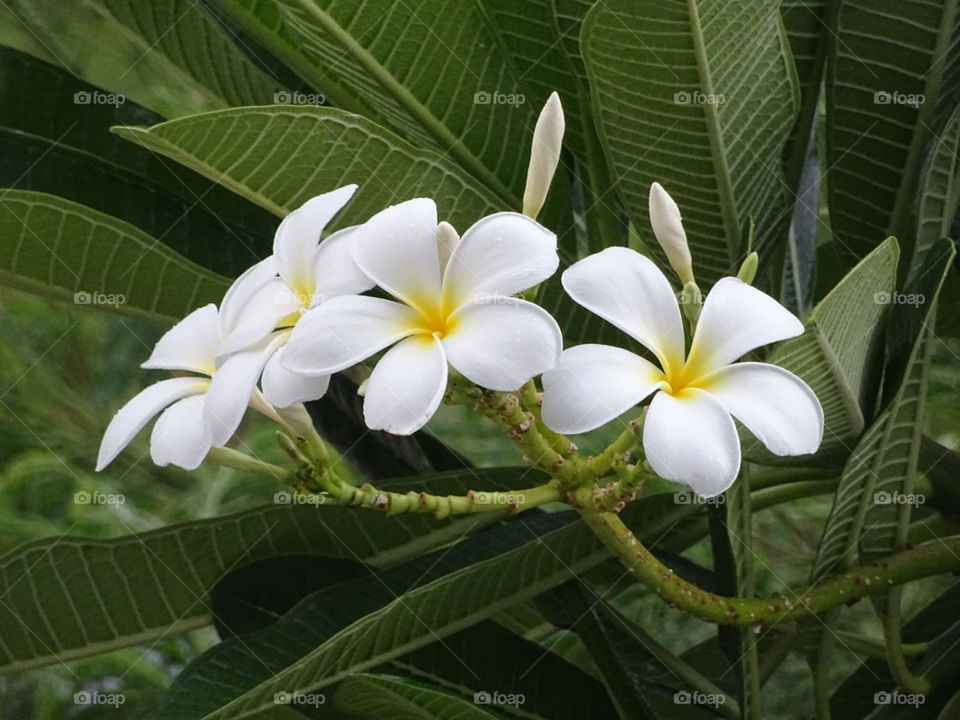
[(180, 436), (264, 304), (689, 435), (452, 304)]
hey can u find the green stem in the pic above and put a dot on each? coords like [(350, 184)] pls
[(847, 587), (228, 457), (876, 649)]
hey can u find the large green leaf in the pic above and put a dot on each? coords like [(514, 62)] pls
[(51, 144), (448, 603), (434, 72), (281, 156), (939, 193), (169, 55), (838, 355), (888, 95), (379, 696), (72, 597), (865, 512), (55, 247), (678, 101)]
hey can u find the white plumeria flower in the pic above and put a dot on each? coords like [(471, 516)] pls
[(262, 306), (180, 436), (459, 311), (689, 435)]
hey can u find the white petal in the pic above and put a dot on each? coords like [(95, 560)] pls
[(192, 344), (692, 440), (593, 384), (334, 270), (131, 418), (501, 254), (668, 227), (502, 343), (232, 385), (263, 311), (179, 436), (406, 386), (737, 318), (774, 404), (544, 155), (283, 388), (397, 248), (345, 330), (242, 290), (297, 237), (629, 291)]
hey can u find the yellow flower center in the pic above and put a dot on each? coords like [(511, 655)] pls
[(434, 317)]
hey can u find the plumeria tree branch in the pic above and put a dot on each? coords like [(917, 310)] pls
[(850, 586)]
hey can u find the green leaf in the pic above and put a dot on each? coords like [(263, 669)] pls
[(54, 247), (379, 696), (876, 142), (172, 56), (838, 354), (939, 193), (428, 613), (71, 597), (677, 101), (51, 144), (279, 157), (417, 70), (487, 657), (865, 512)]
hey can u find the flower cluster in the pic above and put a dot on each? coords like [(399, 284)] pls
[(403, 298)]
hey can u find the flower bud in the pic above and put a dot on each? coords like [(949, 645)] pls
[(447, 240), (748, 271), (544, 155), (668, 227)]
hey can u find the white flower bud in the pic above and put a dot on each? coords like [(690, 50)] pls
[(544, 155), (668, 227), (447, 240)]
